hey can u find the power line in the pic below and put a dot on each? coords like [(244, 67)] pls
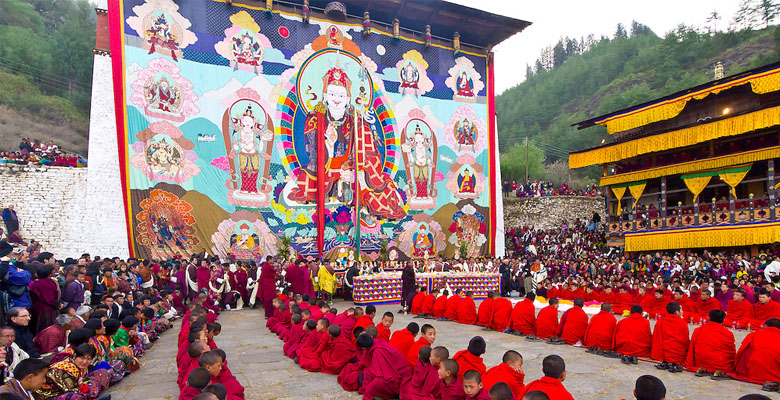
[(43, 72), (52, 79)]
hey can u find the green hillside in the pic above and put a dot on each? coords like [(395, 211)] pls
[(576, 80), (46, 71)]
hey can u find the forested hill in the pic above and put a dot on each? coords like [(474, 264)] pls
[(580, 79), (46, 71)]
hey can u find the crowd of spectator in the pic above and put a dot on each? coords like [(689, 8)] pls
[(37, 153), (547, 188)]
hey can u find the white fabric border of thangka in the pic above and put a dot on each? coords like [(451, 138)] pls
[(563, 305), (500, 242)]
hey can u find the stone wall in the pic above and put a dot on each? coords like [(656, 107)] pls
[(548, 212)]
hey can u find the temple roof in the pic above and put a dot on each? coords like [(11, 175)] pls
[(476, 27)]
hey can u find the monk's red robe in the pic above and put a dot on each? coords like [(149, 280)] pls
[(574, 323), (689, 308), (349, 377), (417, 302), (547, 322), (363, 322), (273, 319), (524, 317), (386, 374), (504, 373), (712, 348), (758, 359), (481, 395), (623, 302), (336, 354), (703, 309), (293, 340), (283, 322), (764, 312), (190, 364), (601, 331), (552, 387), (467, 311), (670, 339), (502, 310), (316, 313), (347, 326), (182, 351), (553, 293), (592, 296), (452, 390), (485, 313), (427, 305), (235, 391), (382, 332), (451, 311), (739, 314), (414, 350), (467, 361), (425, 383), (633, 337), (657, 308), (309, 358), (607, 298), (184, 333), (187, 393), (402, 340), (439, 306)]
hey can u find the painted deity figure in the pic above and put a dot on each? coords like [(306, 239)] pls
[(246, 50), (160, 34), (465, 86), (466, 182), (410, 78), (163, 158), (248, 137), (333, 119), (166, 233), (244, 244), (423, 243), (162, 96), (418, 153), (465, 133)]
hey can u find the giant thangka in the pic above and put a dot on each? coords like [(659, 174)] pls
[(243, 126)]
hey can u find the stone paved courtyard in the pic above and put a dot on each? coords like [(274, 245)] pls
[(255, 357)]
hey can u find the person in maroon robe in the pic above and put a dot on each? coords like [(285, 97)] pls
[(45, 296), (294, 336), (338, 351), (203, 275), (309, 357), (671, 339), (574, 323), (238, 280), (267, 284), (388, 371)]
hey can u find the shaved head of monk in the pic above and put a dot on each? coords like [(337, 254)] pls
[(554, 367), (649, 387), (536, 395), (500, 391)]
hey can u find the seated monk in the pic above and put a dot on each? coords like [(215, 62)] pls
[(705, 304), (523, 318), (427, 337), (656, 307), (758, 359), (365, 320), (440, 305), (383, 327), (403, 339), (688, 306), (670, 339), (451, 386), (485, 313), (547, 321), (295, 348), (309, 356), (648, 387), (387, 371), (337, 352), (510, 371), (425, 383), (190, 362), (554, 370), (347, 323), (197, 380), (283, 320), (623, 301), (417, 301), (451, 312), (349, 377), (275, 315), (740, 311), (427, 305), (471, 358), (608, 296), (601, 330), (712, 348), (467, 310), (472, 386), (632, 336), (502, 310), (214, 362), (764, 309), (294, 335), (574, 323)]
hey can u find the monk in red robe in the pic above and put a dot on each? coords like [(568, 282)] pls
[(758, 359), (632, 337), (471, 358), (451, 386), (472, 386), (214, 362), (425, 383), (337, 351), (623, 301), (502, 310), (417, 302), (440, 305), (704, 306), (347, 324), (510, 371), (670, 339), (294, 336), (523, 318), (574, 323), (712, 348), (284, 320), (427, 305), (383, 327), (601, 330), (547, 321), (451, 311), (387, 371), (467, 310), (554, 370), (485, 313), (403, 339), (688, 306), (608, 296), (427, 337), (349, 377), (366, 319), (656, 306), (740, 311), (310, 354), (764, 309)]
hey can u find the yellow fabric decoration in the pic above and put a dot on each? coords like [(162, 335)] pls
[(733, 179), (708, 236), (680, 138), (697, 185), (760, 82), (636, 192), (693, 166), (619, 192)]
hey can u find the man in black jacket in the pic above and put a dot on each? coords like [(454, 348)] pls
[(20, 321)]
